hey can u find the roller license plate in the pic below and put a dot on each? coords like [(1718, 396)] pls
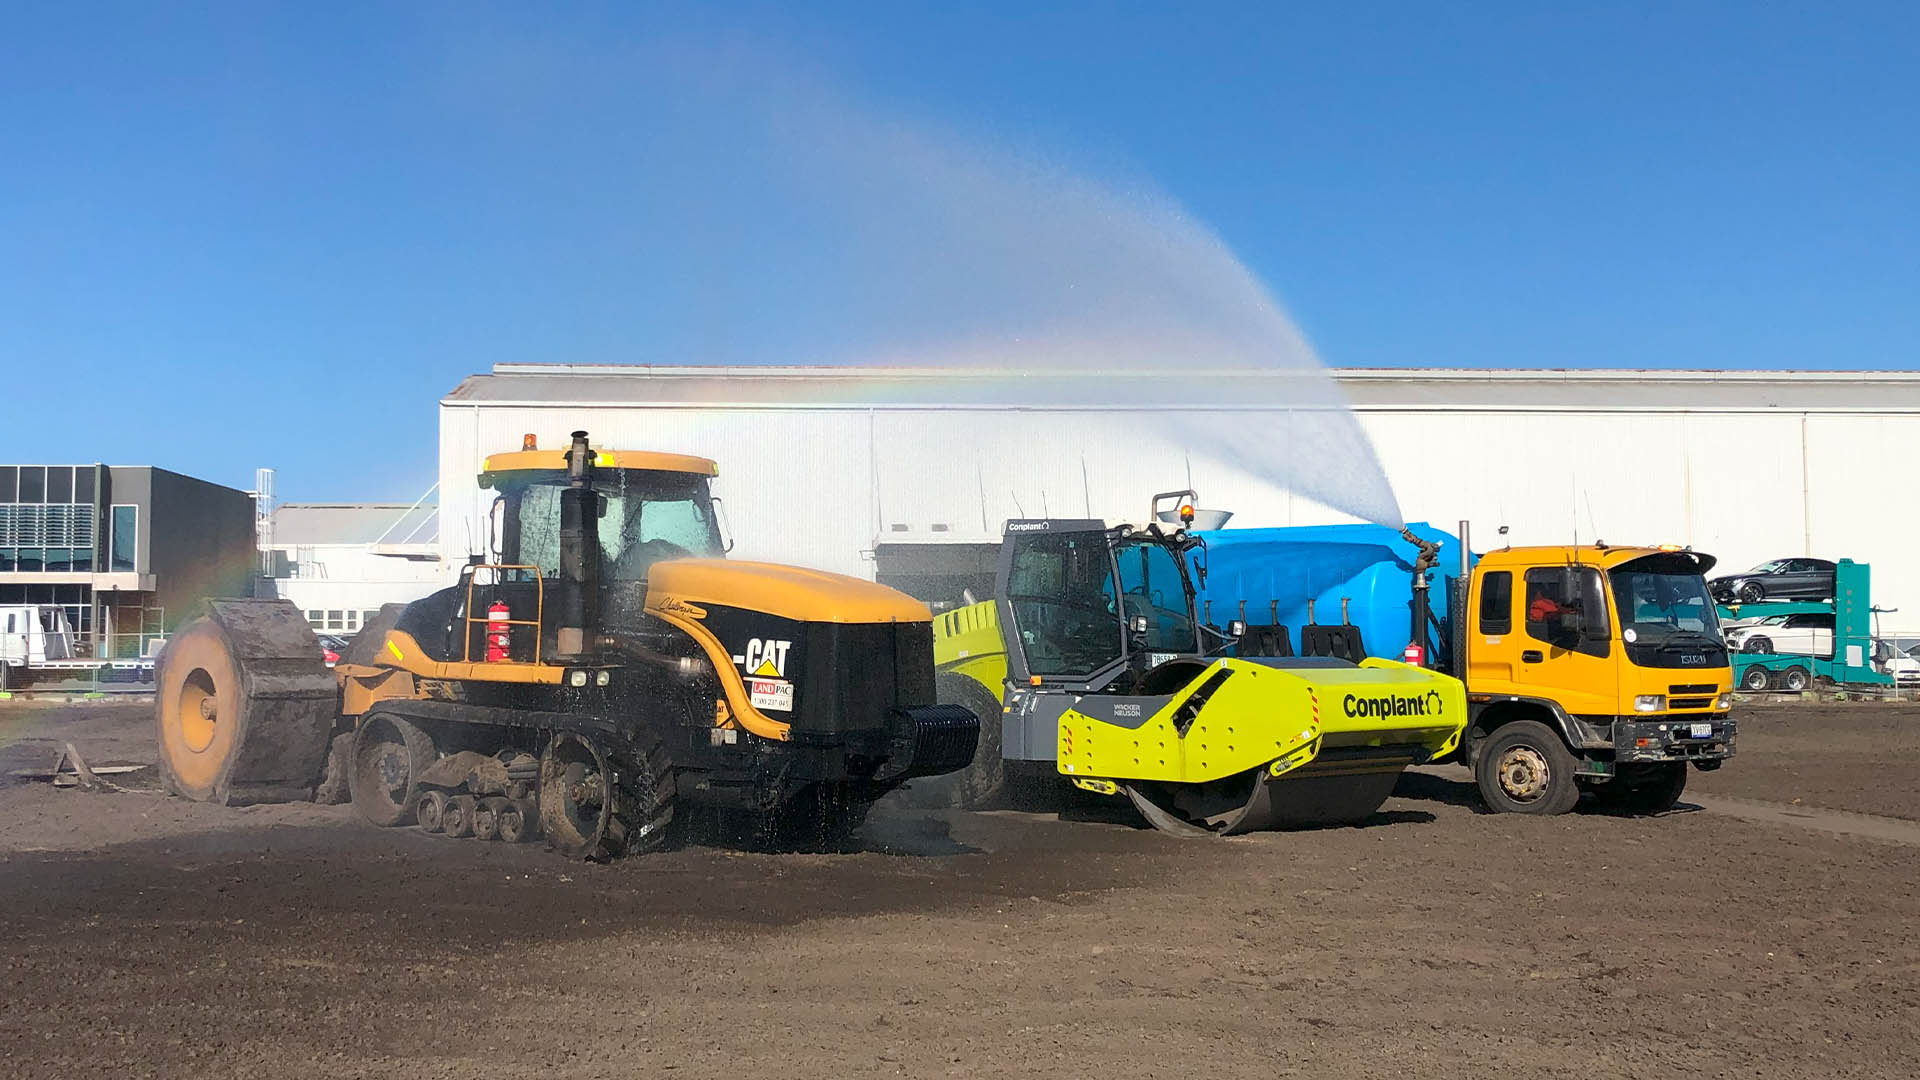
[(1702, 731), (772, 694)]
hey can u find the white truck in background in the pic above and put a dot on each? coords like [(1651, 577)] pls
[(38, 644)]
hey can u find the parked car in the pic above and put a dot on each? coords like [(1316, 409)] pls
[(1810, 634), (1890, 660), (331, 646), (1780, 579)]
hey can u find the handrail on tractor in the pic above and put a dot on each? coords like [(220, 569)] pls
[(539, 606)]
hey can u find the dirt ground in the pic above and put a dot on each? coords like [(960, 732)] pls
[(146, 936)]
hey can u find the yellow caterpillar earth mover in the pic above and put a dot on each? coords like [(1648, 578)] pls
[(1096, 669), (602, 669)]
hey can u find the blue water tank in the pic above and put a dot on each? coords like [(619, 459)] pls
[(1276, 571)]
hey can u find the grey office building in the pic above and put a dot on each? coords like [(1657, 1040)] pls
[(125, 550)]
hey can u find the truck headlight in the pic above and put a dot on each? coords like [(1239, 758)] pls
[(1649, 703), (1724, 701)]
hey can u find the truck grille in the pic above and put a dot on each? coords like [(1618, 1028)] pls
[(1691, 702), (1689, 688)]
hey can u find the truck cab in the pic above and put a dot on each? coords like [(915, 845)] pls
[(1601, 667)]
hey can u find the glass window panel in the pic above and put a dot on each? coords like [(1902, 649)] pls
[(9, 483), (60, 483), (83, 484), (7, 559), (334, 620), (58, 560), (33, 483), (126, 532), (32, 561)]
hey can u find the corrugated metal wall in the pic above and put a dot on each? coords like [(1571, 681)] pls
[(818, 486)]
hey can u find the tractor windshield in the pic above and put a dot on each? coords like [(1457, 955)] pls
[(646, 517)]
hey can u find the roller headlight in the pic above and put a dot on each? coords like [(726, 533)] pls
[(576, 678)]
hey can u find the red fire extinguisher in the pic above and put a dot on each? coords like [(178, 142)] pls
[(497, 631)]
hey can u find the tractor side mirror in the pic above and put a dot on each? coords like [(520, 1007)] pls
[(720, 521)]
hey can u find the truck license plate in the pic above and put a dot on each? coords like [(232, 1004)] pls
[(1703, 731)]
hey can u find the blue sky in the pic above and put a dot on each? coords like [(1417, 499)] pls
[(240, 235)]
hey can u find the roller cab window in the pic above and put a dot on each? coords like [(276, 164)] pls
[(1152, 584), (1060, 587), (1566, 607), (644, 517)]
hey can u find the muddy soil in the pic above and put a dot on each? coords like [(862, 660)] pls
[(1859, 756), (1436, 941)]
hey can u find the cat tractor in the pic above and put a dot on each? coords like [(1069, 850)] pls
[(1097, 670), (597, 676)]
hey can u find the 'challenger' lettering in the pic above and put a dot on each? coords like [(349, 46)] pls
[(1428, 704)]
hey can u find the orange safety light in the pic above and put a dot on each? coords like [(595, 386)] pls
[(1186, 513), (1033, 680), (528, 442)]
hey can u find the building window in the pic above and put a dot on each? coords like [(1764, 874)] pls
[(353, 621), (9, 483), (317, 620), (336, 620), (33, 483), (367, 617), (59, 483), (83, 484), (126, 534), (31, 561)]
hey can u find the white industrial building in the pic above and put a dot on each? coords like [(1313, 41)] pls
[(339, 562), (820, 466)]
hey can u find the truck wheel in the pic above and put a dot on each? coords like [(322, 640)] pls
[(389, 754), (984, 781), (1646, 789), (1752, 592), (1795, 679), (1755, 679), (1524, 768)]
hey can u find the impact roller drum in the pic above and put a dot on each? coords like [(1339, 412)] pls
[(244, 705)]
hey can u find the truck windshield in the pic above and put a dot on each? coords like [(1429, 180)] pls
[(1060, 586), (1657, 605), (647, 517)]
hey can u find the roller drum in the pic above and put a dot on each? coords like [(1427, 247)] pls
[(244, 704)]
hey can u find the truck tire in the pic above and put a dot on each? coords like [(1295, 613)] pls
[(983, 782), (1524, 768), (1795, 679), (389, 754), (1756, 679), (1644, 789)]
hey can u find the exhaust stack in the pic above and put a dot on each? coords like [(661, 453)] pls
[(579, 553)]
